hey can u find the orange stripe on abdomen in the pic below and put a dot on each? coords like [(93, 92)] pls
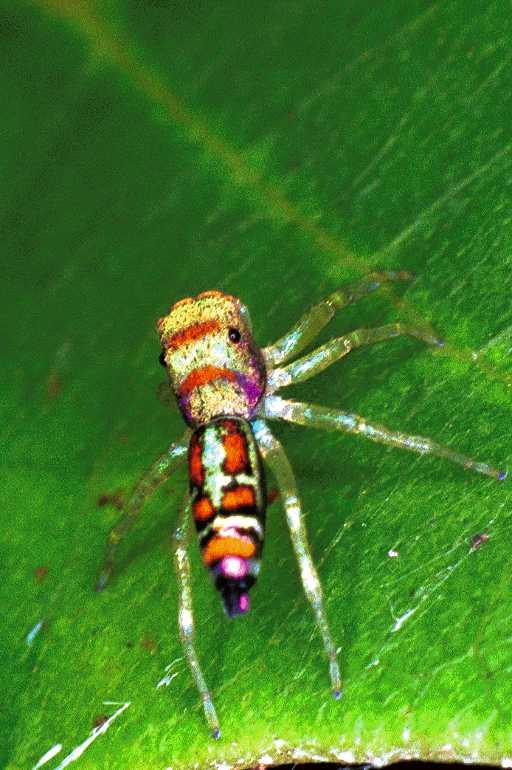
[(238, 497), (195, 462), (218, 547), (203, 508), (236, 460)]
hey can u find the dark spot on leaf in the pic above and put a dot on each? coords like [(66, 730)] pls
[(116, 499), (99, 720), (53, 385), (148, 644), (478, 540), (272, 496), (40, 573)]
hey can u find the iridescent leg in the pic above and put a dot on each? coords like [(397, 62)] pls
[(186, 617), (312, 322), (332, 351), (278, 462), (334, 419), (144, 488)]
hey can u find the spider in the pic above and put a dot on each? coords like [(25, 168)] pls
[(225, 388)]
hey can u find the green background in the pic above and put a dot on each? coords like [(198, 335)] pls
[(152, 150)]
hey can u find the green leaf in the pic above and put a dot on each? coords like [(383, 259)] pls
[(275, 151)]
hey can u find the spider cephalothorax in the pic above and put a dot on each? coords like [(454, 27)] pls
[(213, 364)]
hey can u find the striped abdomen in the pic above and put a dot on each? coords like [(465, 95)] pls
[(228, 503)]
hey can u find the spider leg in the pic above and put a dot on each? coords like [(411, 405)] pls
[(279, 464), (159, 472), (326, 418), (186, 617), (312, 322), (319, 359)]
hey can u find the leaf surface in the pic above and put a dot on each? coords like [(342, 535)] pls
[(275, 151)]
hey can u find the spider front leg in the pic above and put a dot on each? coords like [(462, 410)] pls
[(186, 617), (144, 488), (279, 464), (319, 359), (326, 418), (312, 322)]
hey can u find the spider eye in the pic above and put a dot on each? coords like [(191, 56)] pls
[(161, 358), (234, 335)]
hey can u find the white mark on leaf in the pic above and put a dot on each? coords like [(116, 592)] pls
[(401, 620), (96, 732), (166, 680), (33, 632)]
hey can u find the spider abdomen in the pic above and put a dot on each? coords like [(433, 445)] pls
[(228, 503)]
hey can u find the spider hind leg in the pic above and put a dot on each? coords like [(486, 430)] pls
[(180, 544), (278, 462)]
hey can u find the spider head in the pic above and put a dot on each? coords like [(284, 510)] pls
[(213, 364)]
